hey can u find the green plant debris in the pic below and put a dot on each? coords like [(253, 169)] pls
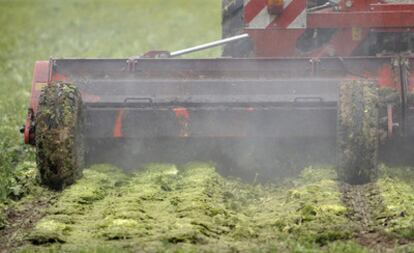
[(93, 186), (397, 191), (165, 208), (48, 231), (193, 208), (357, 131), (3, 221), (24, 182), (59, 138)]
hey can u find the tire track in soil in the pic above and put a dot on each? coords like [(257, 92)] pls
[(362, 201), (21, 221)]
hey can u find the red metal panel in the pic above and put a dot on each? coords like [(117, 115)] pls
[(117, 132), (388, 78), (411, 75), (183, 117), (40, 78), (365, 19), (343, 43), (356, 5), (282, 42), (275, 42), (392, 7)]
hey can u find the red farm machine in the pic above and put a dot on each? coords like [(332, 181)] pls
[(334, 78)]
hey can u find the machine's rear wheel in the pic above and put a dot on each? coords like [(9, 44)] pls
[(357, 129), (59, 142), (232, 24)]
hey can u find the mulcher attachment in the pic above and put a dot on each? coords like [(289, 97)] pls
[(59, 141), (357, 129), (228, 111)]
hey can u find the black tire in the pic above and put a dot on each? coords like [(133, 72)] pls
[(357, 132), (59, 136), (233, 24)]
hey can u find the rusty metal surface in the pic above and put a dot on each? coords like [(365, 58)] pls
[(221, 68), (277, 98)]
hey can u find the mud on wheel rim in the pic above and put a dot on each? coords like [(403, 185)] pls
[(59, 142), (357, 132)]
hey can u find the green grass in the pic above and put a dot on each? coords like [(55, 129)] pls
[(38, 29)]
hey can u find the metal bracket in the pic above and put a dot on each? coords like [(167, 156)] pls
[(132, 61), (404, 77), (315, 62), (391, 125)]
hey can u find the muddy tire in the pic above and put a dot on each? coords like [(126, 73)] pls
[(232, 24), (357, 132), (59, 141)]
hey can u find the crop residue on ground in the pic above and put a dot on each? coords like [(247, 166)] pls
[(192, 208)]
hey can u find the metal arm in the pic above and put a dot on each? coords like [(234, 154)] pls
[(167, 54), (208, 45)]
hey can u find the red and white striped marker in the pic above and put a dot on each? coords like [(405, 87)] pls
[(293, 16)]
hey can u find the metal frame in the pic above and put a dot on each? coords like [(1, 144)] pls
[(353, 20), (191, 93)]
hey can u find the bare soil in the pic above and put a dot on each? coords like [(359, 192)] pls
[(363, 203), (21, 220)]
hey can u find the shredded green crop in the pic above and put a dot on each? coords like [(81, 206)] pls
[(164, 207), (397, 190)]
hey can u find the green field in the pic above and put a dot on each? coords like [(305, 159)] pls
[(166, 207)]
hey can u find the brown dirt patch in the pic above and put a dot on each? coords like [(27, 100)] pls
[(363, 203), (21, 220)]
